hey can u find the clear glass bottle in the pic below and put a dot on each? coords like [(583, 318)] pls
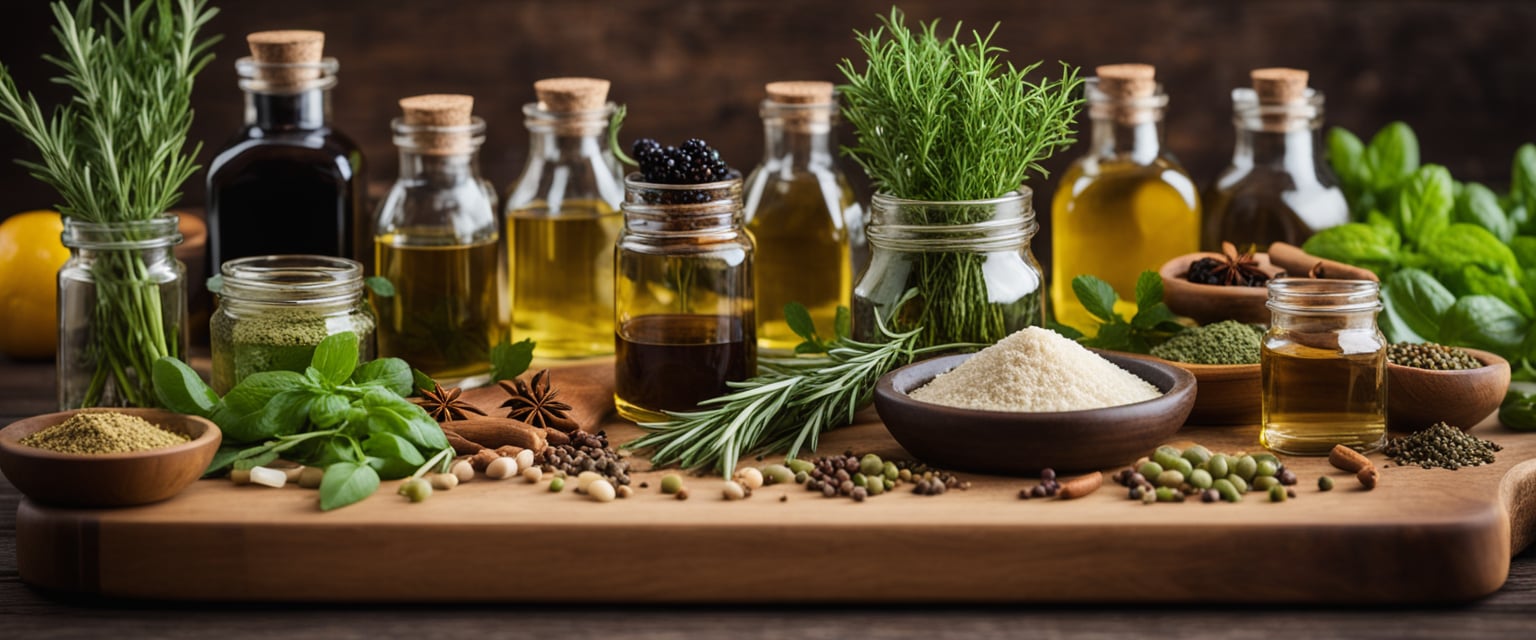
[(122, 305), (1125, 207), (1323, 367), (563, 221), (438, 240), (288, 182), (684, 321), (962, 271), (1279, 187), (801, 213), (274, 310)]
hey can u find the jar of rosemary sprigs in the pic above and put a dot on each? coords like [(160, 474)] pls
[(274, 310)]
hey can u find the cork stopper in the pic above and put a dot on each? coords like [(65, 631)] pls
[(567, 95), (1127, 81), (1278, 85), (800, 92), (288, 47), (805, 106), (438, 111)]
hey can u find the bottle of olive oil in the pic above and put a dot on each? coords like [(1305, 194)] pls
[(438, 241), (1278, 187), (1125, 207), (802, 214), (563, 220)]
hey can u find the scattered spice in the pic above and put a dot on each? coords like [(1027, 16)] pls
[(534, 403), (1441, 447), (1231, 270), (102, 432), (1225, 342), (492, 433), (1032, 370), (1174, 475), (446, 404), (1436, 357), (846, 476), (585, 452)]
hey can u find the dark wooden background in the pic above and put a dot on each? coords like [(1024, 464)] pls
[(1459, 71)]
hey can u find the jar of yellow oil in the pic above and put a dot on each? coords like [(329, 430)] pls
[(1125, 207)]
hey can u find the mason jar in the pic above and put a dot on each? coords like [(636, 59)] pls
[(684, 321), (958, 271), (1323, 367), (122, 306), (274, 310)]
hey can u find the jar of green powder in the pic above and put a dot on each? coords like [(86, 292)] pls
[(273, 310)]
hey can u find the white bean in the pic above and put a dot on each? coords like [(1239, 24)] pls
[(750, 478), (464, 470), (525, 458), (268, 477), (501, 469), (444, 481), (601, 491), (533, 475)]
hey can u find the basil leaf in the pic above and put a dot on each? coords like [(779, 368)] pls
[(1522, 187), (1353, 243), (1149, 289), (1462, 244), (1484, 322), (336, 357), (1425, 204), (180, 389), (389, 412), (1475, 280), (224, 457), (1346, 154), (509, 360), (421, 380), (255, 461), (1392, 156), (1097, 297), (289, 411), (391, 373), (799, 321), (239, 417), (328, 410), (392, 456), (345, 483), (1524, 248), (1416, 301), (1386, 230), (1478, 205), (380, 286)]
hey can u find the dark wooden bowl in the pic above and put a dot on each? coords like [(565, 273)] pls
[(1418, 398), (1016, 443), (1227, 394), (1207, 303), (107, 480)]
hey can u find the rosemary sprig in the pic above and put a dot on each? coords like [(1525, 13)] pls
[(786, 408)]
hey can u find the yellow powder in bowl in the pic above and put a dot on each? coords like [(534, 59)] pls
[(103, 432)]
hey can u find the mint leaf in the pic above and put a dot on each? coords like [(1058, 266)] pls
[(1150, 317), (180, 389), (381, 286), (509, 360), (1097, 297), (240, 416), (391, 373), (336, 357), (345, 483), (329, 410), (1149, 289)]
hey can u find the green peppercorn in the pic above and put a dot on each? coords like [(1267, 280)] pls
[(860, 480), (890, 471), (557, 484), (670, 483), (1266, 469), (1277, 493), (1264, 483), (798, 466), (871, 465), (1431, 356), (1325, 483)]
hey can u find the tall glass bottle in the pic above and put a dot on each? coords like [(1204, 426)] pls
[(562, 219), (288, 182), (1278, 188), (1125, 207), (438, 241), (802, 214)]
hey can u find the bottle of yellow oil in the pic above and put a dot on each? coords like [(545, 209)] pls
[(1125, 207), (802, 214)]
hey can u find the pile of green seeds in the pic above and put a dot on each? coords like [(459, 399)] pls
[(1225, 342), (859, 478), (103, 432), (1437, 357), (1441, 447), (1172, 475)]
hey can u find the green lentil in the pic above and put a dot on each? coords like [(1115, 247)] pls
[(1436, 357), (556, 484), (1200, 478), (671, 483), (875, 486), (1227, 490), (1265, 483), (102, 432), (1182, 466), (1225, 342), (1441, 447), (1150, 470), (1277, 493), (1246, 468), (1325, 483)]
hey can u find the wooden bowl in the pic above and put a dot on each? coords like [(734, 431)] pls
[(1207, 303), (113, 479), (1019, 443), (1418, 398), (1226, 394)]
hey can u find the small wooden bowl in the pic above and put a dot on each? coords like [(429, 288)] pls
[(1227, 394), (1418, 398), (113, 479), (1208, 303), (1016, 443)]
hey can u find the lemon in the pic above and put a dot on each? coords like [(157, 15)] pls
[(31, 253)]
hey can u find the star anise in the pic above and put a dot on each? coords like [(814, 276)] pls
[(534, 403), (1232, 269), (445, 404)]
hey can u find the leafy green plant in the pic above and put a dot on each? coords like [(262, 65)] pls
[(1153, 323), (116, 152), (354, 421), (940, 119), (509, 359)]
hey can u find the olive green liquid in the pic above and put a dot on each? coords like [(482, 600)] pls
[(802, 256), (1315, 398), (562, 277), (446, 313)]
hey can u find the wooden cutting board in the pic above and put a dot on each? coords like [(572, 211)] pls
[(1422, 536)]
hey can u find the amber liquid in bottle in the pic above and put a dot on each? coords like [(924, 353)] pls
[(802, 256), (1266, 206), (673, 362), (449, 324), (562, 277), (1316, 398)]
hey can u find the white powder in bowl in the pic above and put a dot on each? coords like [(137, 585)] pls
[(1035, 370)]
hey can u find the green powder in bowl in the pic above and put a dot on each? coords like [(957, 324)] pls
[(1225, 342), (103, 432)]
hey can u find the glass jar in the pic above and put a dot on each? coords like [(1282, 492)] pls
[(683, 305), (1125, 207), (959, 271), (438, 240), (122, 306), (802, 215), (273, 310), (1323, 367), (1279, 187), (563, 221)]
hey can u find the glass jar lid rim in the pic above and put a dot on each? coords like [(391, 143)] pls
[(1323, 295), (1023, 192), (260, 272), (633, 180), (535, 110)]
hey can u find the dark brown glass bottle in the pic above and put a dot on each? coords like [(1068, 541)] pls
[(287, 183)]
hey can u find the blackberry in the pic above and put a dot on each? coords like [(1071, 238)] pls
[(695, 162)]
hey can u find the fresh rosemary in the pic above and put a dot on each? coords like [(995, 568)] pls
[(116, 153), (939, 119)]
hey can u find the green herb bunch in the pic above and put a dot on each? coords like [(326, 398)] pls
[(354, 421), (940, 119), (1153, 324), (786, 407), (1457, 260), (116, 152)]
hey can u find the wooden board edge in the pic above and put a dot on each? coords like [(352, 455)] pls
[(58, 549), (1517, 492)]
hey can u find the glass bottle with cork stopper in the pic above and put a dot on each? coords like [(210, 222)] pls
[(802, 214), (1278, 187), (439, 241), (288, 182), (563, 219), (1127, 205)]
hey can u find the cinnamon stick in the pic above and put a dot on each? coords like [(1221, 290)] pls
[(491, 433)]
